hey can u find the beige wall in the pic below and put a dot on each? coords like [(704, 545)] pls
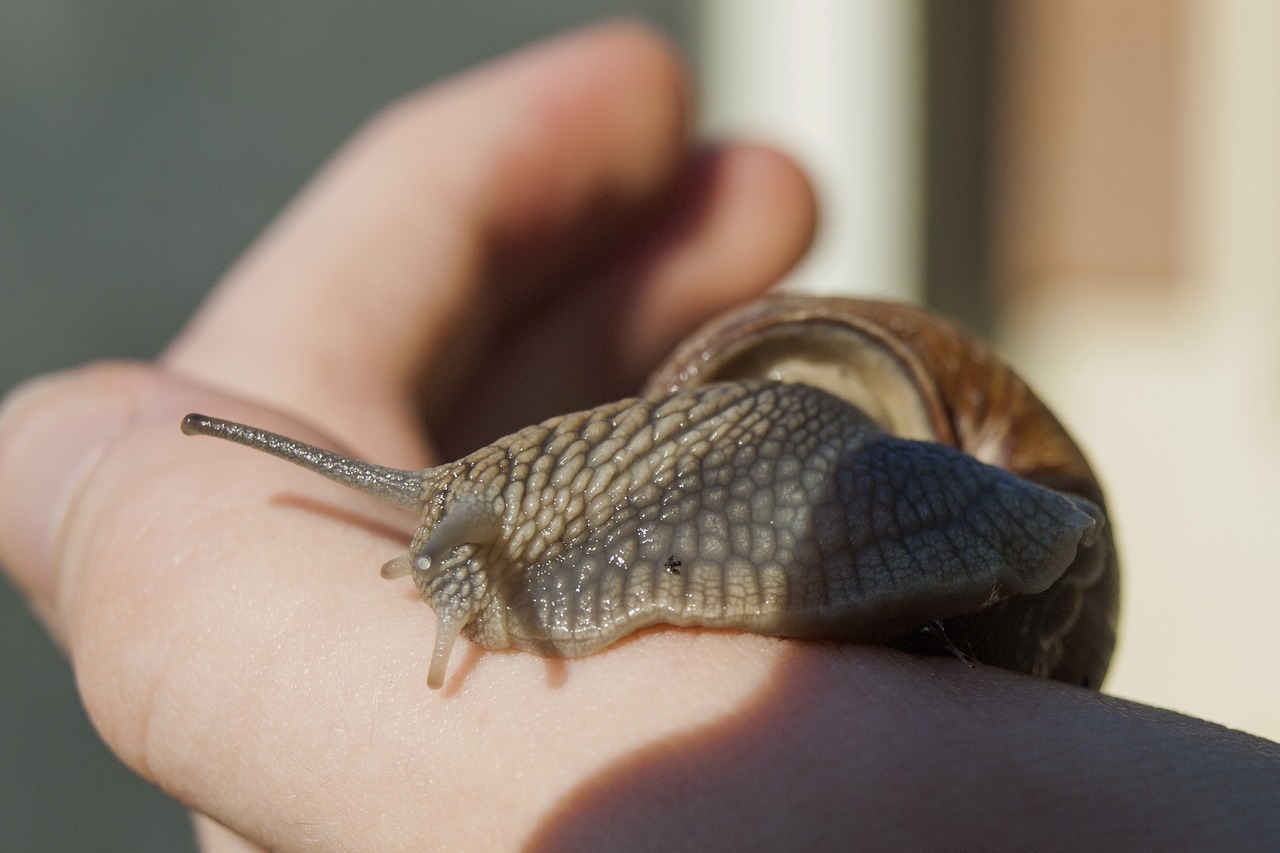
[(1147, 309), (1087, 105)]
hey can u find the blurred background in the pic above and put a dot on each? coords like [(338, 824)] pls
[(1092, 183)]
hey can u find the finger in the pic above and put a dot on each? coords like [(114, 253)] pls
[(739, 218), (57, 434), (377, 264), (749, 217), (213, 837), (51, 436)]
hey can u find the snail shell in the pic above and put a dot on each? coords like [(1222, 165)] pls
[(819, 468)]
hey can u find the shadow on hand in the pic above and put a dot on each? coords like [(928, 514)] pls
[(857, 747)]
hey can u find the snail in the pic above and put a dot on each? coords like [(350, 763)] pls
[(819, 468)]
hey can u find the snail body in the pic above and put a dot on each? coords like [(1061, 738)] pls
[(736, 494)]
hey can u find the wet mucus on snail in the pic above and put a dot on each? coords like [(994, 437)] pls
[(803, 467)]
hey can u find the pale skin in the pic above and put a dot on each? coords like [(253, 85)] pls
[(524, 240)]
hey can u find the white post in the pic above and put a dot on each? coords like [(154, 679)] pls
[(838, 85)]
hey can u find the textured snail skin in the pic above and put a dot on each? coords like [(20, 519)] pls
[(748, 503), (967, 399)]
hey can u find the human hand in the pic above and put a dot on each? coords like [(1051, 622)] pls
[(518, 243)]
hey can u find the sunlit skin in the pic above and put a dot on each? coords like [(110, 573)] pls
[(522, 241)]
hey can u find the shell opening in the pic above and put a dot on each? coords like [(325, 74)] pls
[(841, 360)]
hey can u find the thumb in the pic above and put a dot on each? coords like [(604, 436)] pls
[(89, 460), (53, 430)]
